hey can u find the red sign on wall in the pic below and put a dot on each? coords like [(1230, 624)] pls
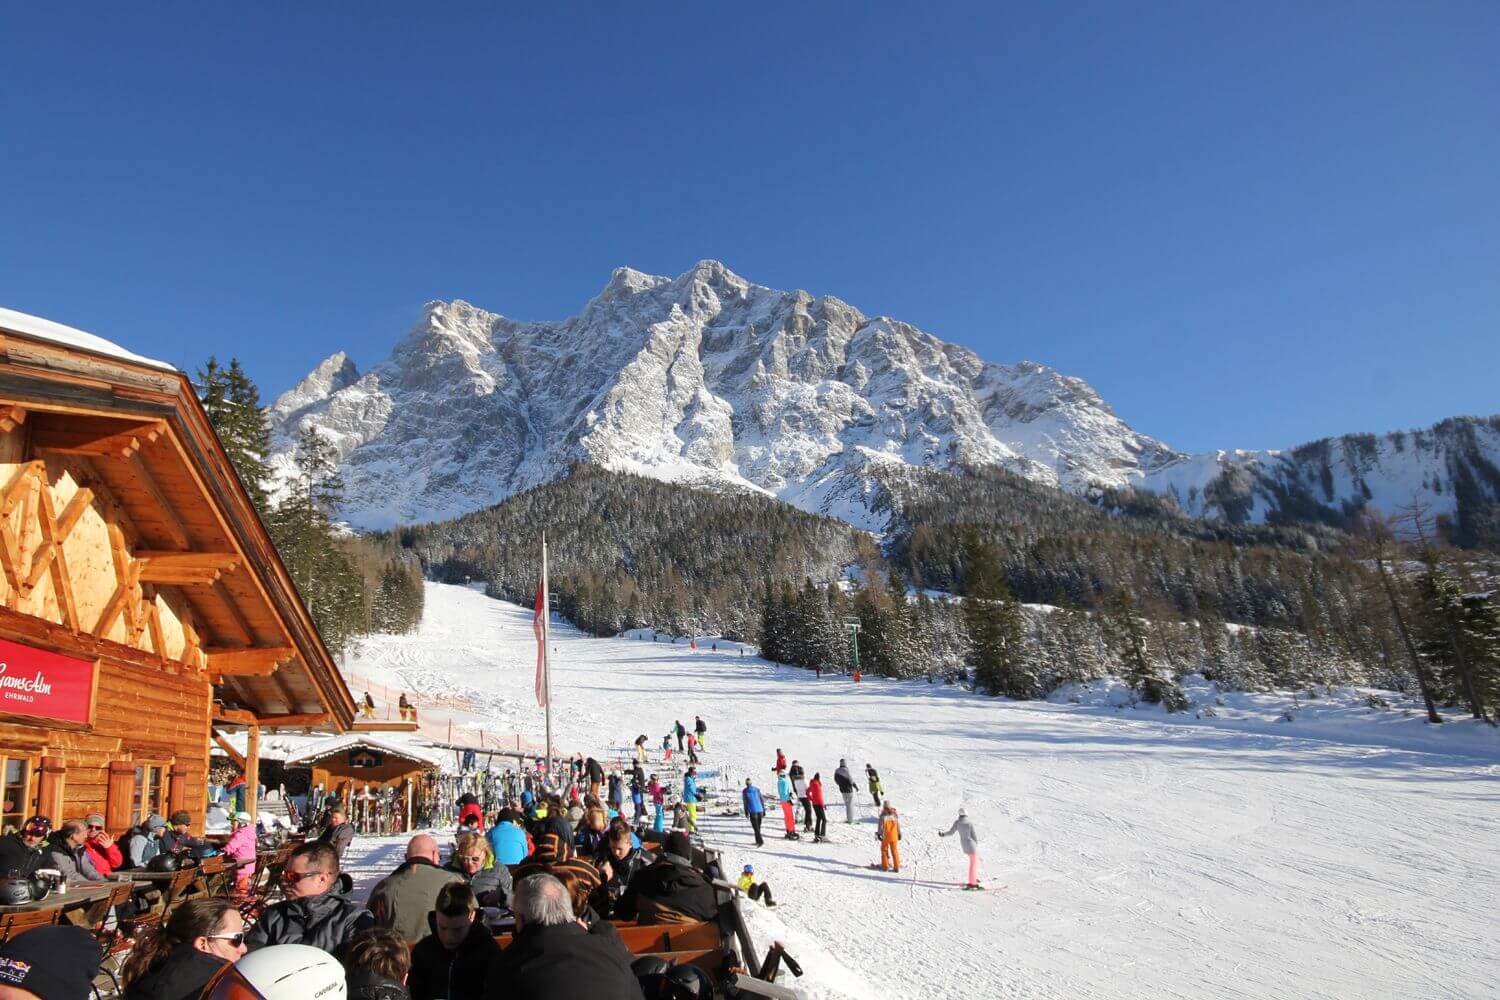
[(43, 685)]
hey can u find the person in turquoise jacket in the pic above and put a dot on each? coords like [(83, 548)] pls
[(508, 840), (690, 797), (788, 810), (755, 808)]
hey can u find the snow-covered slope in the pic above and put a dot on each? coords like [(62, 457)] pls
[(1346, 853), (710, 380)]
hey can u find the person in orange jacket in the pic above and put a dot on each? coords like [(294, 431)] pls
[(890, 836)]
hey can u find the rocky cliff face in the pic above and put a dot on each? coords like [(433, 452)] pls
[(710, 380)]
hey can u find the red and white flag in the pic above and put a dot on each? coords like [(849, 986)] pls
[(539, 626)]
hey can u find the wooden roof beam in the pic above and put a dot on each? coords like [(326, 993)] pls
[(230, 751), (235, 716), (296, 721), (115, 442), (251, 661), (11, 417), (185, 568)]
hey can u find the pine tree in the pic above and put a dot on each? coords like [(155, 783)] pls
[(232, 403), (1443, 636), (1128, 630)]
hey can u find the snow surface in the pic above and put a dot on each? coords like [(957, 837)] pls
[(1346, 853), (46, 329)]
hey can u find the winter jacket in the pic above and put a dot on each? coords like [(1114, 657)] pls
[(471, 813), (492, 886), (752, 800), (681, 730), (799, 786), (873, 778), (16, 859), (595, 772), (438, 974), (796, 773), (241, 847), (327, 922), (173, 842), (622, 870), (402, 900), (815, 791), (658, 792), (508, 842), (590, 842), (366, 985), (74, 862), (783, 788), (106, 859), (140, 847), (564, 962), (180, 976), (671, 891), (338, 837), (689, 788), (890, 828), (699, 726), (746, 880), (843, 780), (780, 762), (968, 838)]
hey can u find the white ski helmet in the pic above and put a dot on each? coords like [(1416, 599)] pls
[(283, 972)]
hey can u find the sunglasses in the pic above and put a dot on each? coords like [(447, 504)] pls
[(235, 940), (94, 827), (295, 877)]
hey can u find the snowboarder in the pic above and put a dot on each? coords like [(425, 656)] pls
[(701, 728), (846, 789), (755, 890), (815, 796), (968, 839), (874, 781), (681, 732), (788, 811), (755, 809), (889, 835)]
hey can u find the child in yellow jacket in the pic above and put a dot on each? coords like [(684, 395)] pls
[(755, 890)]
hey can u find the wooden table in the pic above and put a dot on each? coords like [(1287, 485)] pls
[(78, 896)]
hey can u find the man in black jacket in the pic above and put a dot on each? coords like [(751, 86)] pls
[(595, 775), (553, 958), (317, 910), (670, 890), (21, 850), (338, 833), (453, 959), (845, 781)]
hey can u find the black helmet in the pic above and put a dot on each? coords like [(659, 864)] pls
[(687, 982), (651, 975), (17, 890), (163, 863), (204, 851)]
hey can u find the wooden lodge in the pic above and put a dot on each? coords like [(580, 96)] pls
[(353, 765), (143, 608)]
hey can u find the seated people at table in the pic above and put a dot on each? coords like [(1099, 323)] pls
[(670, 890), (451, 961), (473, 861), (377, 962), (507, 839), (338, 833), (143, 842), (241, 845), (177, 839), (65, 852), (21, 850), (174, 961), (103, 850), (592, 833), (620, 862), (48, 963), (317, 910), (552, 957), (402, 900)]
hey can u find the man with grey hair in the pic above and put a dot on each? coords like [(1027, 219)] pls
[(553, 957)]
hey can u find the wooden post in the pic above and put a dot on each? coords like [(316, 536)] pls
[(252, 770)]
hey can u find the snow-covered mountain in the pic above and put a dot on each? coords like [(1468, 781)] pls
[(710, 380)]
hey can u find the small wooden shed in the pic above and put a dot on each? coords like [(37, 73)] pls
[(142, 604), (348, 765)]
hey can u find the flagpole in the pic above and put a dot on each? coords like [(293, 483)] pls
[(547, 660)]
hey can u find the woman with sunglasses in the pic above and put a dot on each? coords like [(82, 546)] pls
[(178, 959), (101, 846)]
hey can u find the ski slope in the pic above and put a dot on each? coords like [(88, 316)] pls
[(1139, 855)]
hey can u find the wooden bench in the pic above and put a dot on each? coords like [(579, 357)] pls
[(659, 939)]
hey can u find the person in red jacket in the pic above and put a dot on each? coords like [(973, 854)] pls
[(815, 796), (101, 846), (780, 760)]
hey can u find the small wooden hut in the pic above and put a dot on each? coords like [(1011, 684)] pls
[(349, 766), (142, 604)]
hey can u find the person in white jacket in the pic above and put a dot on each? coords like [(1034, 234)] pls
[(968, 839)]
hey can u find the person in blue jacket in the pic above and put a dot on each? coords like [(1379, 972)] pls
[(690, 797), (755, 808), (507, 839)]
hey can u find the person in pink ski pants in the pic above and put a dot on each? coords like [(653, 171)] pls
[(968, 839)]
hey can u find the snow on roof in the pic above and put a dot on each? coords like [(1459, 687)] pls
[(45, 329), (335, 744)]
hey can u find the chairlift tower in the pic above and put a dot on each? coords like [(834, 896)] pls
[(852, 624)]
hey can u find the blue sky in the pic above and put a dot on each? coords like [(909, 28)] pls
[(1246, 225)]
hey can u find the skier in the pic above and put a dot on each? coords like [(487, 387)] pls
[(799, 786), (701, 728), (692, 742), (788, 811), (755, 809), (846, 789), (780, 760), (968, 839), (666, 747), (690, 797), (874, 780), (815, 796), (889, 835), (681, 732)]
